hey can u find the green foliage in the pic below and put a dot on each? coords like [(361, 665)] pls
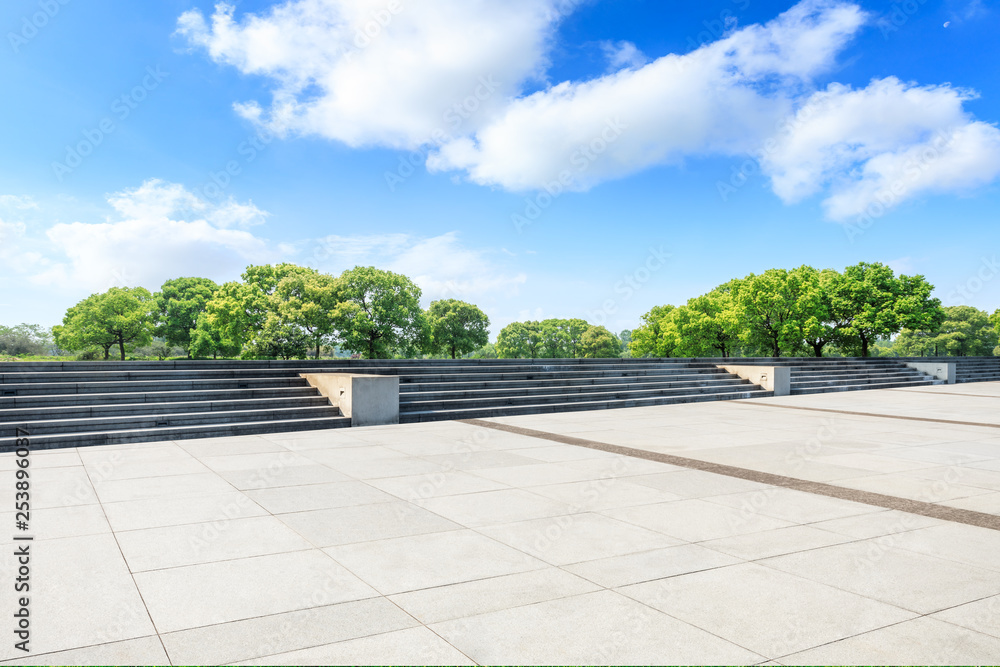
[(519, 340), (307, 299), (179, 303), (550, 339), (870, 302), (457, 327), (648, 339), (776, 307), (965, 332), (379, 313), (599, 343), (24, 340), (210, 341), (122, 317)]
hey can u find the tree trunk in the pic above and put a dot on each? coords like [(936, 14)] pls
[(776, 350), (121, 348), (317, 350), (818, 348), (864, 346), (107, 352), (452, 351)]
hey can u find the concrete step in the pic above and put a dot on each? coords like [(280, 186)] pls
[(140, 421), (57, 400), (517, 385), (508, 411), (430, 392), (127, 409), (118, 437), (50, 388), (859, 387), (566, 398)]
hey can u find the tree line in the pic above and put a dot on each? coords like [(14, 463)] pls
[(281, 311), (802, 311)]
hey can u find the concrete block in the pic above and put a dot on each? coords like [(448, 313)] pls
[(772, 378), (369, 400), (938, 369)]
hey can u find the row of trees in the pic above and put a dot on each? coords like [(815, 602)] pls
[(277, 311), (557, 339), (792, 312)]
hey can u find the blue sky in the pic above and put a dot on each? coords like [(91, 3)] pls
[(865, 132)]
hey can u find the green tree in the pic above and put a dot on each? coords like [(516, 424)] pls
[(206, 340), (519, 340), (24, 339), (775, 307), (819, 328), (179, 303), (870, 302), (706, 326), (965, 332), (379, 313), (122, 316), (647, 338), (457, 327), (599, 343), (308, 300)]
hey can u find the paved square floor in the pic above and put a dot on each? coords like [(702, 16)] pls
[(463, 543)]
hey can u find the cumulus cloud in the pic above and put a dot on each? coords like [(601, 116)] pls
[(379, 72), (442, 266), (372, 72), (160, 231), (17, 202), (881, 145)]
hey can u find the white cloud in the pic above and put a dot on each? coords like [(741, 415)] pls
[(720, 98), (391, 73), (162, 231), (442, 266), (622, 55), (881, 145), (379, 72), (17, 203)]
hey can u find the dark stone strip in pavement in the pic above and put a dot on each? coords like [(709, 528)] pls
[(870, 414), (933, 510)]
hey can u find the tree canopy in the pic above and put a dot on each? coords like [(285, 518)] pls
[(457, 327), (122, 316)]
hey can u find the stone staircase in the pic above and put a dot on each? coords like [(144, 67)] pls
[(70, 404), (976, 369), (850, 375)]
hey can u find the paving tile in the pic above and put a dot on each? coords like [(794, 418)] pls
[(414, 646), (560, 453), (696, 520), (318, 496), (282, 476), (922, 641), (444, 603), (494, 507), (466, 460), (181, 598), (175, 546), (229, 446), (908, 485), (81, 595), (265, 461), (956, 542), (877, 524), (59, 522), (792, 505), (171, 511), (592, 629), (649, 565), (696, 483), (387, 467), (768, 543), (146, 469), (61, 487), (577, 537), (620, 466), (599, 494), (173, 486), (880, 570), (538, 474), (438, 559), (776, 614), (982, 616), (362, 523), (435, 485), (142, 651), (266, 636)]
